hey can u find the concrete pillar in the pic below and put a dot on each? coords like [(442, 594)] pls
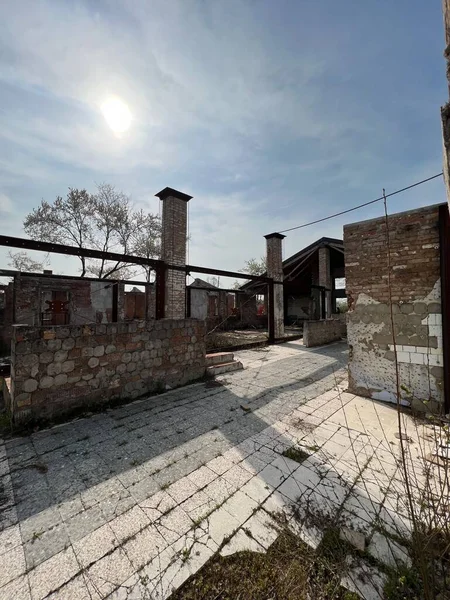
[(274, 264), (325, 279), (173, 250)]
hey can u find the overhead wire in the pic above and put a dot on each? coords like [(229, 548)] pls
[(343, 212)]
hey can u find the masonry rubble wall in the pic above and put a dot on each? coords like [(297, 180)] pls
[(416, 304), (55, 370), (325, 331)]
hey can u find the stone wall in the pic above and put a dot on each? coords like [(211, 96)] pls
[(57, 369), (416, 297), (317, 333)]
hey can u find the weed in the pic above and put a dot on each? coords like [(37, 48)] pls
[(39, 466), (36, 536), (164, 486), (295, 454)]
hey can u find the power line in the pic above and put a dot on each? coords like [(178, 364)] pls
[(362, 205)]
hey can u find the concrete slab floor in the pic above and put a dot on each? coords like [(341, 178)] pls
[(131, 502)]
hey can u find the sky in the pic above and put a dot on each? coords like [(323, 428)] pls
[(270, 114)]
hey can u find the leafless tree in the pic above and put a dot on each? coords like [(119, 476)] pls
[(104, 221), (21, 261)]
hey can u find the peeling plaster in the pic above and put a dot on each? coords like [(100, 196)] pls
[(371, 363)]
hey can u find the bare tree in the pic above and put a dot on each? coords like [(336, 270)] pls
[(146, 238), (66, 221), (104, 221), (21, 261), (254, 266)]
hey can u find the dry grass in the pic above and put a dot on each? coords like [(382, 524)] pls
[(290, 570)]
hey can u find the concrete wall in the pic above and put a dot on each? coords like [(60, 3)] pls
[(416, 297), (55, 370), (199, 303), (298, 306), (317, 333)]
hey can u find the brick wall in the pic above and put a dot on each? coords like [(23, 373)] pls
[(58, 369), (89, 301), (416, 296), (317, 333)]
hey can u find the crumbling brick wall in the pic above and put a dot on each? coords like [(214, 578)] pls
[(57, 369), (416, 297)]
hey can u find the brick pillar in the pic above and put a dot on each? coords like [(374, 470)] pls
[(325, 279), (445, 110), (173, 250), (274, 264)]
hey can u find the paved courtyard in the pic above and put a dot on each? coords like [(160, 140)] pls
[(131, 502)]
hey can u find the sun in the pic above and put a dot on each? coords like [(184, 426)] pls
[(117, 114)]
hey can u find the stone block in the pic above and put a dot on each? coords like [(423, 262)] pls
[(60, 355), (46, 357), (23, 400), (46, 382), (61, 379), (30, 385), (93, 362), (68, 366), (54, 368), (54, 344), (110, 348), (68, 344), (62, 332), (99, 350)]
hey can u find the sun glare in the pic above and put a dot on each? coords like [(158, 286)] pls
[(117, 114)]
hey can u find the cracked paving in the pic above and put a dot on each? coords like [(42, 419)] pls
[(131, 502)]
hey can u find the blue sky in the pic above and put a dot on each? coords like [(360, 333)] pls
[(269, 113)]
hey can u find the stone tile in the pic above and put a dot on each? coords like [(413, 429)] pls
[(240, 506), (219, 490), (363, 579), (237, 476), (263, 528), (239, 543), (257, 489), (94, 546), (129, 523), (13, 565), (9, 539), (85, 523), (39, 523), (109, 573), (144, 546), (221, 524), (16, 590), (116, 505), (388, 552), (144, 488), (201, 477), (160, 502), (75, 589), (70, 508), (174, 524), (220, 465), (52, 574), (272, 476), (181, 490), (45, 545)]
